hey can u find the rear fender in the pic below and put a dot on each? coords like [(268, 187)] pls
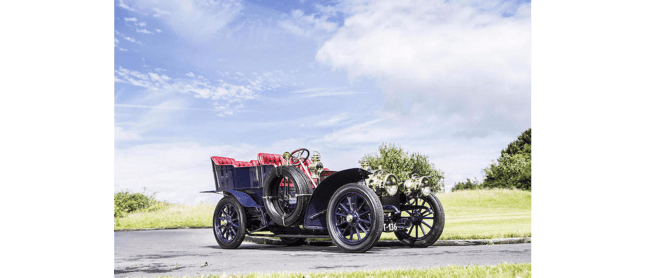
[(243, 198), (314, 216)]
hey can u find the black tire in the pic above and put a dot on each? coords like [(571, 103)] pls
[(279, 209), (231, 214), (369, 219), (293, 241), (436, 226)]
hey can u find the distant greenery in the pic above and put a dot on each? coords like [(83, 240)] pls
[(504, 270), (127, 202), (392, 158), (511, 170), (468, 185)]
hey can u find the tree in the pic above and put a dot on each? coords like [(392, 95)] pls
[(510, 171), (522, 145), (513, 168), (391, 157)]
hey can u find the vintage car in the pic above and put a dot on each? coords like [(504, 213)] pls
[(294, 197)]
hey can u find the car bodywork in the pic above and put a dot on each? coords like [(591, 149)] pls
[(245, 181)]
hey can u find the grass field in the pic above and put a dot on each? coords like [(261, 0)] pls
[(495, 271), (475, 214)]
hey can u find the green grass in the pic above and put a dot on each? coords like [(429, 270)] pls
[(170, 216), (495, 271), (476, 214)]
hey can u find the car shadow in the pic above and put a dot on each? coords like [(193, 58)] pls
[(318, 247)]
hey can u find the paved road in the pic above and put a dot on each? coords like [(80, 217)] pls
[(183, 252)]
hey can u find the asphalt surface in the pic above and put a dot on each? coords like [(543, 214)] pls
[(195, 252)]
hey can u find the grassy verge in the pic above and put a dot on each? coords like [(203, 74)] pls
[(475, 214), (495, 271)]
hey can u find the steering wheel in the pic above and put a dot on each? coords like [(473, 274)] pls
[(298, 156)]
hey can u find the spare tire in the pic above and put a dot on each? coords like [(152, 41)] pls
[(286, 194)]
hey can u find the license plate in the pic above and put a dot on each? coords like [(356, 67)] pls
[(389, 227)]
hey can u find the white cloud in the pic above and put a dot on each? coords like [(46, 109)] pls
[(130, 19), (121, 134), (308, 25), (144, 31), (124, 6), (464, 61), (159, 12), (158, 30), (132, 40), (116, 45), (324, 92), (199, 20), (226, 97)]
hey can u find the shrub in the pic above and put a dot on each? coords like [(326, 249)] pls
[(468, 185), (126, 202), (510, 171)]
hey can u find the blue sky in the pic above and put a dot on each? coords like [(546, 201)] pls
[(234, 78)]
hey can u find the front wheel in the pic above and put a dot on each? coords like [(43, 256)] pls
[(426, 218), (229, 223), (355, 218)]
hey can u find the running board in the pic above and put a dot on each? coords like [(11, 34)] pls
[(291, 235)]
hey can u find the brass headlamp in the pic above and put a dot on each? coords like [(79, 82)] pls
[(418, 184), (384, 181), (316, 167)]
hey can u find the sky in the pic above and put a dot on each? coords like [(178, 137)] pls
[(197, 78)]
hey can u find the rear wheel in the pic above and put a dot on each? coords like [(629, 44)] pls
[(427, 220), (293, 241), (229, 223), (355, 218)]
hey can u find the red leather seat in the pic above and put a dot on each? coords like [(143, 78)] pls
[(254, 163), (243, 164), (270, 159), (220, 160)]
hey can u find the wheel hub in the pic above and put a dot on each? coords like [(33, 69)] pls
[(350, 218)]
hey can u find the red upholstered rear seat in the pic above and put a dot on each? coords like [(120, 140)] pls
[(219, 160), (243, 164)]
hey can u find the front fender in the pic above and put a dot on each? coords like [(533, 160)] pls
[(320, 198)]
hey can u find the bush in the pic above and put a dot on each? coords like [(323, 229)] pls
[(511, 171), (126, 202), (468, 185), (392, 158)]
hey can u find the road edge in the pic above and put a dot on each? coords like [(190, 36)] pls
[(380, 243), (391, 243)]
